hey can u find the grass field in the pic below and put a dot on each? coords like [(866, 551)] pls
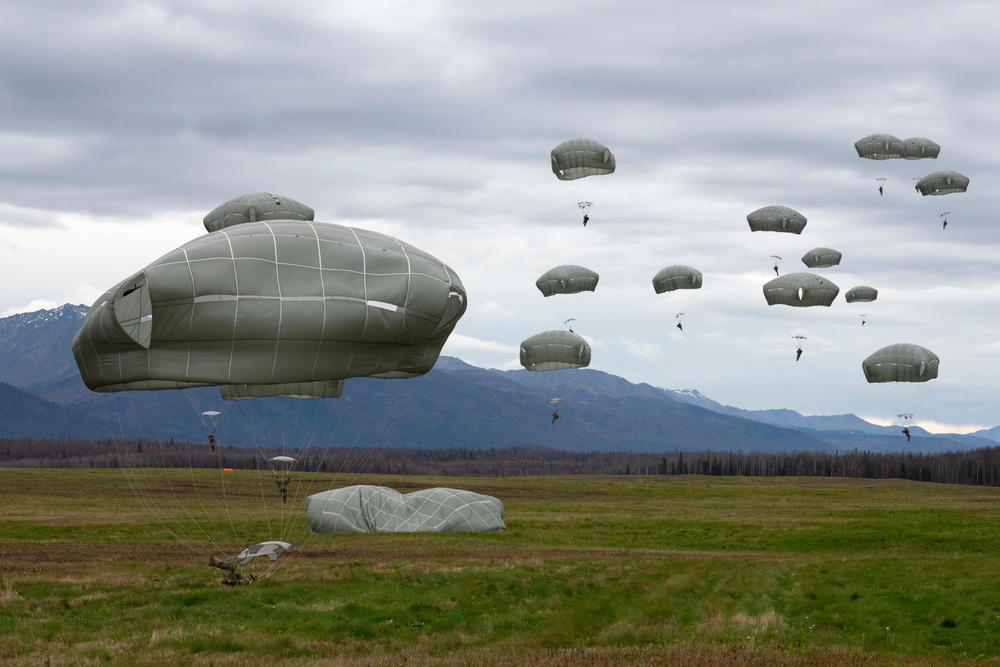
[(629, 570)]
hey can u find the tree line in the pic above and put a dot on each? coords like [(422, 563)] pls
[(976, 467)]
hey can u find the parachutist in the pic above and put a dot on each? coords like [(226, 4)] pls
[(555, 416), (944, 224), (230, 576), (586, 219), (211, 441), (775, 269), (283, 486), (798, 354), (880, 191), (906, 432), (862, 323), (679, 326)]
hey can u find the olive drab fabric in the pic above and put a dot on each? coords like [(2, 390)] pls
[(942, 183), (901, 362), (256, 207), (578, 158), (861, 294), (567, 279), (554, 350), (280, 307), (776, 218), (800, 290), (822, 258), (675, 277)]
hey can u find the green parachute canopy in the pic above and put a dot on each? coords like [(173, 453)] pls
[(880, 147), (675, 277), (822, 258), (377, 509), (918, 148), (555, 350), (942, 183), (578, 158), (277, 308), (800, 290), (861, 294), (254, 207), (901, 362), (567, 279), (776, 219)]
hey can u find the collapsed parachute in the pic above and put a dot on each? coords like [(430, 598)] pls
[(942, 183), (377, 509), (822, 258), (555, 350), (253, 207), (290, 308)]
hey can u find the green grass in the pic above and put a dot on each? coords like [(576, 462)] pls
[(592, 571)]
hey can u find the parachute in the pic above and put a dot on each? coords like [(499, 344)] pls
[(567, 279), (579, 158), (555, 350), (900, 371), (918, 148), (377, 509), (861, 294), (803, 292), (277, 309), (880, 147), (283, 308), (782, 222), (675, 277), (942, 183), (822, 258), (253, 207)]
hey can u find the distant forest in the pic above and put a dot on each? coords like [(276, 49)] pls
[(976, 467)]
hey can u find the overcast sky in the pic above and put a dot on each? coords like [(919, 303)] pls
[(124, 123)]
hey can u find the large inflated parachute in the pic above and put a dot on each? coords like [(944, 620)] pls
[(555, 350), (942, 183), (272, 308), (578, 158), (255, 207), (377, 509), (918, 148), (567, 279)]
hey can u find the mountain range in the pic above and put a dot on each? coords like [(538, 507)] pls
[(454, 405)]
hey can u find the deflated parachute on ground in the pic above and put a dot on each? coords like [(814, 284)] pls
[(554, 350), (377, 509), (274, 308), (255, 207)]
